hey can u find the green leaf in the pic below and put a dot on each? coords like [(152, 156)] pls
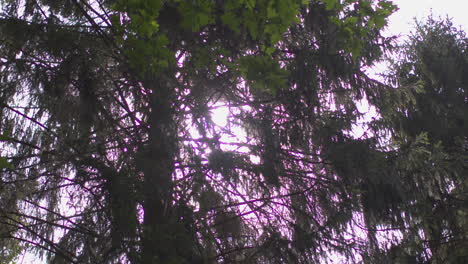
[(271, 12), (352, 21), (4, 137), (250, 4), (270, 50), (252, 26), (231, 21), (356, 49), (380, 21), (330, 4), (5, 164), (196, 14), (115, 19), (262, 73)]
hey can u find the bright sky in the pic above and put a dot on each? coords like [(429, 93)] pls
[(400, 23), (402, 20)]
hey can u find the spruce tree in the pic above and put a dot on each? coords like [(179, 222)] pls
[(111, 154), (426, 115)]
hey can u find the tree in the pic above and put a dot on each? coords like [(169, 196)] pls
[(114, 154), (428, 127)]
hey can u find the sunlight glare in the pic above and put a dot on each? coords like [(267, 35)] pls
[(220, 115)]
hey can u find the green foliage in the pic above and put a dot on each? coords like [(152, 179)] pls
[(196, 14), (428, 125), (353, 28), (10, 248), (4, 163), (145, 52), (263, 73), (265, 22), (110, 103)]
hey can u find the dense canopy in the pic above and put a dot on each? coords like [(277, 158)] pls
[(110, 151)]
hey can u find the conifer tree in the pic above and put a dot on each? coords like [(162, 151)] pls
[(110, 153), (428, 130)]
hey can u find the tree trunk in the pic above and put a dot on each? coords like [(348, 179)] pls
[(158, 167)]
